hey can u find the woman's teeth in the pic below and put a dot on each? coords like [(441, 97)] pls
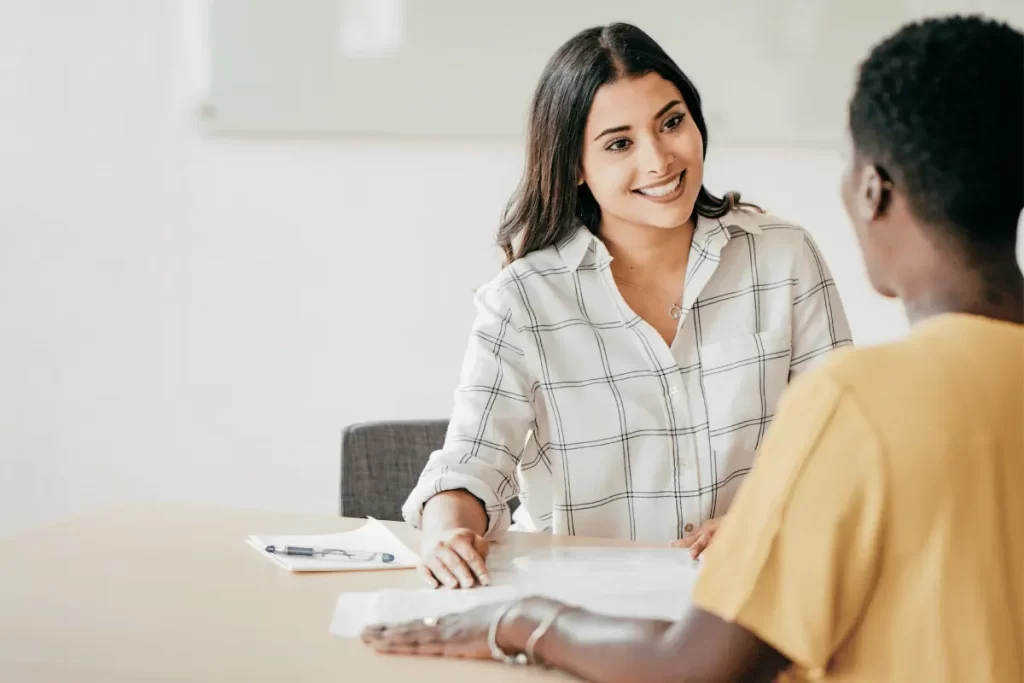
[(663, 190)]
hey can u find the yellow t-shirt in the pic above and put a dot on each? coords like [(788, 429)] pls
[(880, 536)]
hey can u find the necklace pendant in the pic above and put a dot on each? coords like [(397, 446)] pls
[(676, 312)]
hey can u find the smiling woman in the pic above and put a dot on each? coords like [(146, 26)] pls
[(594, 98), (625, 365)]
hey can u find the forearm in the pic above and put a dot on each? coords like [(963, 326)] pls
[(454, 510), (594, 647), (700, 647)]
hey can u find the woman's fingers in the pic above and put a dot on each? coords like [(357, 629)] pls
[(416, 638), (433, 649), (457, 561), (428, 576), (454, 635), (473, 559), (700, 545), (684, 542), (371, 634), (457, 566), (415, 633), (441, 571), (697, 541)]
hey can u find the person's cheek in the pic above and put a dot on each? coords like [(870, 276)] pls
[(610, 186)]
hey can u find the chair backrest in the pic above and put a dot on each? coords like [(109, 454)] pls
[(381, 462)]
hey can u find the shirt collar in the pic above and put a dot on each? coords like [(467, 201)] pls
[(575, 247), (742, 218)]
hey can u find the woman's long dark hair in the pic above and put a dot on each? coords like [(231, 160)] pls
[(548, 205)]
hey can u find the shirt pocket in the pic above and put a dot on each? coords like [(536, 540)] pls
[(743, 380)]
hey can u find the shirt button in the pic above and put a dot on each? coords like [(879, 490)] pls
[(688, 528), (674, 391)]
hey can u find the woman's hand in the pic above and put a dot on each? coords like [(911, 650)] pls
[(699, 539), (454, 558), (455, 635)]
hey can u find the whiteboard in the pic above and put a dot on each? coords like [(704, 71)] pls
[(768, 71)]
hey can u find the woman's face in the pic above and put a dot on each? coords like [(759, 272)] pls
[(642, 153)]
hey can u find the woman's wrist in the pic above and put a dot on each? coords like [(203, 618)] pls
[(453, 509), (522, 620)]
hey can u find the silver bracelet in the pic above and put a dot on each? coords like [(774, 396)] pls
[(492, 639), (539, 632)]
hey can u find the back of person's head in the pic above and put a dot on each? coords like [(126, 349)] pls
[(549, 204), (939, 111)]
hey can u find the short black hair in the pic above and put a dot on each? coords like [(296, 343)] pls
[(939, 107)]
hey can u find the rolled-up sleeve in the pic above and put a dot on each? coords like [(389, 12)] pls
[(819, 319), (492, 418)]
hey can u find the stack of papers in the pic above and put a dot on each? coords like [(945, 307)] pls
[(625, 582), (372, 537)]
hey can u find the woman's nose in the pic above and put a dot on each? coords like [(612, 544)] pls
[(655, 158)]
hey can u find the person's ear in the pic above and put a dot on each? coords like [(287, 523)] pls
[(875, 194)]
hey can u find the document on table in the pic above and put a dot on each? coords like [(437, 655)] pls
[(625, 582), (371, 537)]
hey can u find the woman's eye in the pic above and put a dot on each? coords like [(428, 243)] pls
[(674, 122), (618, 145)]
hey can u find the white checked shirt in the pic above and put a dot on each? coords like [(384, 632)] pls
[(576, 404)]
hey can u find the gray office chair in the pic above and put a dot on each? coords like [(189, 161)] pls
[(381, 462)]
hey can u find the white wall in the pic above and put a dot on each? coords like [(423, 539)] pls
[(194, 319)]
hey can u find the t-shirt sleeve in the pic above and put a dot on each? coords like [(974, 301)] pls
[(796, 558)]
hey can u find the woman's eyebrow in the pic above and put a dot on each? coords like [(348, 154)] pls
[(621, 129)]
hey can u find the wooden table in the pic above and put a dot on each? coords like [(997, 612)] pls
[(153, 593)]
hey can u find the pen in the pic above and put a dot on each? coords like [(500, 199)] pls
[(353, 555)]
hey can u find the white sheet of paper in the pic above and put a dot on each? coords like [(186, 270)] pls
[(619, 582), (372, 536), (354, 611)]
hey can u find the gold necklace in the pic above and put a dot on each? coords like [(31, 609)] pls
[(675, 311)]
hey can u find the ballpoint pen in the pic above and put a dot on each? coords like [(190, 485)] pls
[(353, 555)]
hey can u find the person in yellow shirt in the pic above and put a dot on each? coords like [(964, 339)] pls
[(880, 536)]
